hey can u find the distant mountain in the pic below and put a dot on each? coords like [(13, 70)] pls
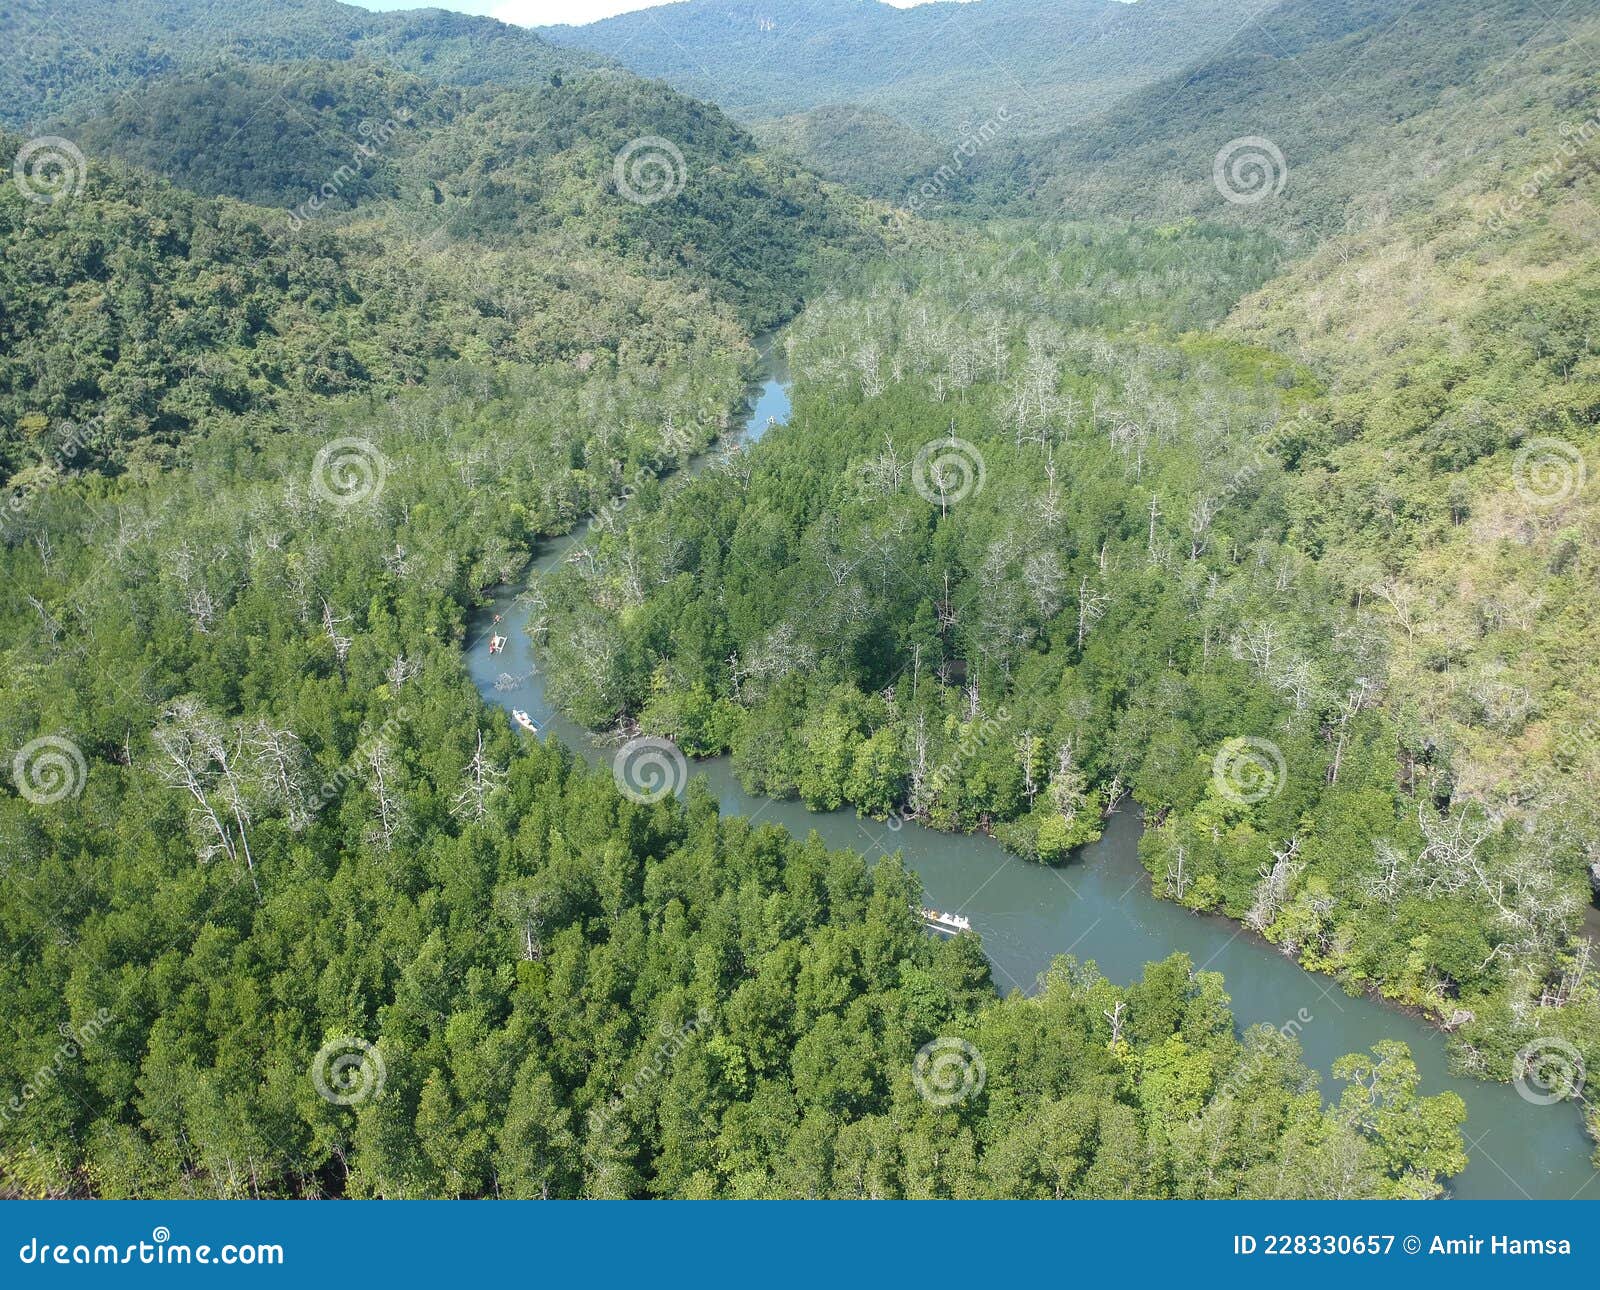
[(1360, 107), (939, 68), (64, 55)]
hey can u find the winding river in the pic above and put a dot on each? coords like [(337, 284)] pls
[(1099, 907)]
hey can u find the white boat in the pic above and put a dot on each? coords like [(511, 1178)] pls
[(946, 922), (524, 720), (496, 644)]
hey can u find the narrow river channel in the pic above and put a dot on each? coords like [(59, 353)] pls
[(1099, 907)]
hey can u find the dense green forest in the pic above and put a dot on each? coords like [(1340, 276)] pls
[(64, 56), (289, 839), (490, 232), (1268, 519), (870, 152), (1035, 540)]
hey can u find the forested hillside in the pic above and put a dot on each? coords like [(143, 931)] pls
[(1049, 63), (497, 230), (272, 136), (1447, 482), (1371, 108), (64, 56)]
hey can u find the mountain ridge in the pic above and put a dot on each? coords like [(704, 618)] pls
[(67, 55)]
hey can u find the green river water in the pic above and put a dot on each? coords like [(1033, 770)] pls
[(1098, 907)]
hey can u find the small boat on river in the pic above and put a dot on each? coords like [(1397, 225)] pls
[(525, 721)]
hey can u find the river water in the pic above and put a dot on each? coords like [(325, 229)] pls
[(1098, 907)]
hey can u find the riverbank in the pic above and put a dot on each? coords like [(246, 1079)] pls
[(1102, 908)]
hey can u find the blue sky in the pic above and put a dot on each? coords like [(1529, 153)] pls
[(539, 13)]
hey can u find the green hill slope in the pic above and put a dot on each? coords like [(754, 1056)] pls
[(65, 55), (1372, 107), (937, 67), (524, 227)]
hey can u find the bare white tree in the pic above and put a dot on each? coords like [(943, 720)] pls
[(1273, 888), (480, 780), (1092, 605)]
